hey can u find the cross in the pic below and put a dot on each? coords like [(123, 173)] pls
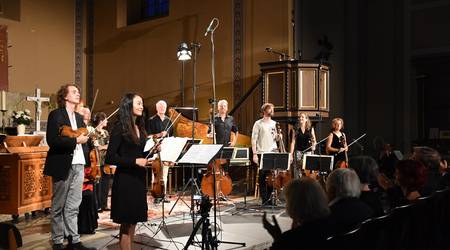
[(39, 100)]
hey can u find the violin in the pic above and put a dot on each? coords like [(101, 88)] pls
[(343, 164), (95, 170), (66, 130)]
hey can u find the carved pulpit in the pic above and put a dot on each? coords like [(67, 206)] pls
[(295, 87), (23, 186)]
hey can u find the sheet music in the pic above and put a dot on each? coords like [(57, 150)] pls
[(149, 145), (200, 153), (171, 148)]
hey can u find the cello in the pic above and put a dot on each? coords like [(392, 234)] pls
[(279, 178), (183, 128)]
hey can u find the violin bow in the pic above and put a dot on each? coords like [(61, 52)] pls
[(316, 144), (95, 99), (160, 141), (115, 111)]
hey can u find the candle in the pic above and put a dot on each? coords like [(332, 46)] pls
[(3, 103)]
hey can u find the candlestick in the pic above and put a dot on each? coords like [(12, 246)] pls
[(3, 101)]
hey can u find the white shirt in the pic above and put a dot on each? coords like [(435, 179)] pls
[(78, 155), (264, 136)]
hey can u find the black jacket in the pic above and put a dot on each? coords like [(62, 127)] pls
[(60, 154)]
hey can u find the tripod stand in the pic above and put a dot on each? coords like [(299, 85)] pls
[(194, 190), (163, 226)]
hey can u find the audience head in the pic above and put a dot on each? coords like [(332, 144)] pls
[(428, 156), (365, 167), (306, 200), (410, 175), (343, 183)]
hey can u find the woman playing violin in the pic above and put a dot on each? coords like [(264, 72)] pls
[(303, 138), (336, 141), (125, 150), (101, 145)]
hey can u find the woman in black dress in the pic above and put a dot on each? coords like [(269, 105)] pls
[(336, 142), (125, 150)]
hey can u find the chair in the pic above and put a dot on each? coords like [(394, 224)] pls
[(351, 240), (397, 231), (374, 233), (441, 219), (10, 237)]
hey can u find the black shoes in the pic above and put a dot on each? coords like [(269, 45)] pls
[(58, 246), (79, 246)]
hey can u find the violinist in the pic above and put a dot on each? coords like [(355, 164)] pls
[(125, 150), (101, 145), (303, 140), (337, 143), (88, 215), (65, 163), (159, 126), (264, 139)]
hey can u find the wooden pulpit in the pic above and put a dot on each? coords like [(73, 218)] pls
[(296, 87), (23, 186)]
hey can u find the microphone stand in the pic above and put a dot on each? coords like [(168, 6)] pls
[(215, 242)]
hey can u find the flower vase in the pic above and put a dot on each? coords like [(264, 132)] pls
[(21, 129)]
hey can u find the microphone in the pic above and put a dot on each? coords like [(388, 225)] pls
[(210, 28)]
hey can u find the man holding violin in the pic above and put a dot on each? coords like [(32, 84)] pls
[(264, 139), (160, 126), (66, 158)]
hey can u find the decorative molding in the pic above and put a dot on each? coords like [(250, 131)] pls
[(79, 44), (90, 53), (237, 58)]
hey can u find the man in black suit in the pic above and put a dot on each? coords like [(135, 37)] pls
[(65, 163)]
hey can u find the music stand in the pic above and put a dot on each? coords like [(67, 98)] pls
[(274, 162), (192, 182), (319, 163)]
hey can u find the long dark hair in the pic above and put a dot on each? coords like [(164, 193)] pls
[(125, 119)]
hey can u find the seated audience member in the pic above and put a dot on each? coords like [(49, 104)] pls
[(367, 170), (445, 175), (306, 204), (347, 210), (431, 159), (410, 176)]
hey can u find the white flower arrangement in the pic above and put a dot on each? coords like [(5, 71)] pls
[(22, 117)]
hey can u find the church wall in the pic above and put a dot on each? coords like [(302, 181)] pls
[(142, 57), (41, 53), (41, 37)]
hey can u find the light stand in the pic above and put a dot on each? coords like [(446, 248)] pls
[(187, 53), (183, 55)]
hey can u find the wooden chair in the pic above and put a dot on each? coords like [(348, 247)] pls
[(10, 237)]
